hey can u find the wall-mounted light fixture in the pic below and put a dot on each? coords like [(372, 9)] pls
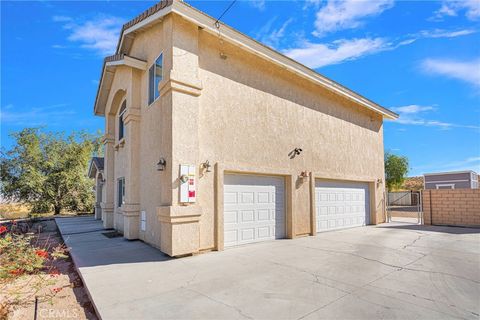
[(206, 165), (162, 163), (303, 174), (295, 152)]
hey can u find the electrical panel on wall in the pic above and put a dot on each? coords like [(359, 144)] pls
[(187, 184)]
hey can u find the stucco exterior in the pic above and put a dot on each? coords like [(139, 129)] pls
[(240, 112)]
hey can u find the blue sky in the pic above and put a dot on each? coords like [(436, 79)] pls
[(418, 58)]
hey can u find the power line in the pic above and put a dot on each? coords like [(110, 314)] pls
[(217, 23)]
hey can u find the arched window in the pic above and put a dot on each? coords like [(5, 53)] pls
[(121, 125)]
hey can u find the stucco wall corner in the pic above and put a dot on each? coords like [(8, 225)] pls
[(179, 229)]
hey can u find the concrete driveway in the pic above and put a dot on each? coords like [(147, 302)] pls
[(394, 271)]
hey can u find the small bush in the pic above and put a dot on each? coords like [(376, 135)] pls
[(18, 256)]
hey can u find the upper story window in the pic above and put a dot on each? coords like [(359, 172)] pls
[(155, 75), (120, 192), (121, 124)]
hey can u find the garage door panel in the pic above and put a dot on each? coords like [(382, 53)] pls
[(258, 204), (230, 197), (264, 215), (341, 204), (230, 217)]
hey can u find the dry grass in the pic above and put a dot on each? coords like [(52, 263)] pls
[(9, 211), (14, 210)]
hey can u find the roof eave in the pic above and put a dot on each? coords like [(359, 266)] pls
[(207, 23), (236, 37), (109, 66), (448, 172)]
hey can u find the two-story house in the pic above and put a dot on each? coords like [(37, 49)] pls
[(213, 139)]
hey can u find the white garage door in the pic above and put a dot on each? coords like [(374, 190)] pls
[(341, 204), (254, 209)]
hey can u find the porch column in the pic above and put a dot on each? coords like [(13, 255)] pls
[(179, 222), (98, 196), (108, 187), (131, 208)]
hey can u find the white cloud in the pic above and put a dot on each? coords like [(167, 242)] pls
[(468, 71), (435, 34), (37, 116), (347, 14), (259, 4), (270, 36), (99, 34), (316, 55), (412, 109), (469, 163), (439, 33), (453, 8), (61, 19), (414, 115)]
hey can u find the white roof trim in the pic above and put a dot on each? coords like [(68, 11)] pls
[(129, 62), (207, 23), (108, 72), (450, 172)]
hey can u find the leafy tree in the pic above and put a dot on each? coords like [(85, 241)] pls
[(396, 169), (49, 171)]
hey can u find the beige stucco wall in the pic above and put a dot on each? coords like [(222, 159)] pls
[(243, 114), (253, 114)]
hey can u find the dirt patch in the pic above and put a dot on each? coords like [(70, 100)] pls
[(59, 292)]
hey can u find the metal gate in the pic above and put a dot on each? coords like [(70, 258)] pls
[(406, 207)]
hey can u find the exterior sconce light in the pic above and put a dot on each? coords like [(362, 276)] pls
[(295, 152), (304, 174), (162, 163), (206, 165), (379, 181)]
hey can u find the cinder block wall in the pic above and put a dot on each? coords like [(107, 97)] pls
[(460, 207)]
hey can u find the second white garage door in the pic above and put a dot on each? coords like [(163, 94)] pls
[(254, 209), (341, 204)]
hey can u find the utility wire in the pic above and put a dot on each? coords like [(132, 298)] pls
[(217, 23)]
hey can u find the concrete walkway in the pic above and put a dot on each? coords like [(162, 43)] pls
[(394, 271)]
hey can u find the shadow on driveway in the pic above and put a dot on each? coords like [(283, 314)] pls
[(442, 229)]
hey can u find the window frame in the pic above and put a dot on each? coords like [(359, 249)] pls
[(121, 122), (120, 191), (451, 185), (153, 65)]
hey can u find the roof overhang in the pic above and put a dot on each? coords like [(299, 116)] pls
[(93, 168), (109, 65), (207, 23), (448, 172)]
